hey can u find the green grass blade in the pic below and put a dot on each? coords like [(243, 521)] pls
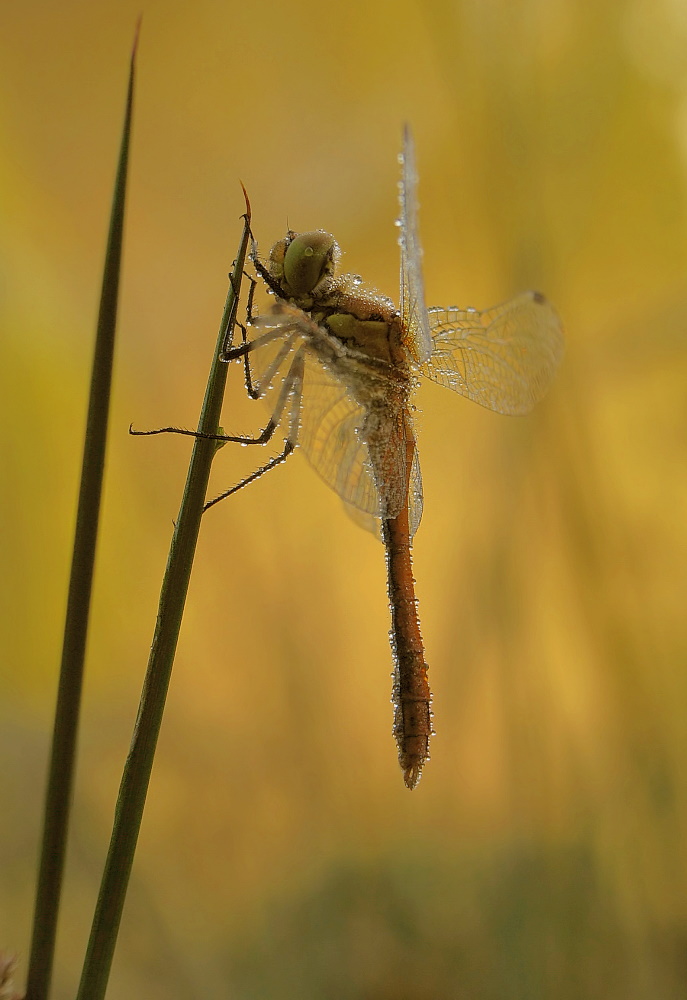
[(139, 763), (61, 773)]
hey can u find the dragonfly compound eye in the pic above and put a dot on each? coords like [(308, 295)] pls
[(309, 258)]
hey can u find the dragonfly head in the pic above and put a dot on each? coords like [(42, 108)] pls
[(304, 263)]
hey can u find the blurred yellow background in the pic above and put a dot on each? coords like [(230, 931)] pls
[(543, 854)]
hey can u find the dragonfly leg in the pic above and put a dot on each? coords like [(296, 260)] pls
[(255, 391), (291, 390), (250, 389), (263, 271), (225, 353), (262, 438), (249, 319), (273, 463)]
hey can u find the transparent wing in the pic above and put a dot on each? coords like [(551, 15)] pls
[(331, 436), (358, 451), (504, 358), (373, 524), (418, 338), (415, 495), (275, 337)]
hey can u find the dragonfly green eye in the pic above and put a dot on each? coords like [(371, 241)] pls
[(309, 258)]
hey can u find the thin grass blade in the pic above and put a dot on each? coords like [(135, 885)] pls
[(63, 753)]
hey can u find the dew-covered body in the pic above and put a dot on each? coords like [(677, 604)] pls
[(338, 363), (351, 340)]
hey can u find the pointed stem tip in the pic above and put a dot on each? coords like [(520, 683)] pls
[(247, 199), (137, 32)]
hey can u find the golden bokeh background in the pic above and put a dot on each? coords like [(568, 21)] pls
[(543, 854)]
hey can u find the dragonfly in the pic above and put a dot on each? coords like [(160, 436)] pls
[(338, 364)]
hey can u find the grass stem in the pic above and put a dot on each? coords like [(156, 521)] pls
[(65, 731), (139, 763)]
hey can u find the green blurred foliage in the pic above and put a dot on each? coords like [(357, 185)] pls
[(543, 854)]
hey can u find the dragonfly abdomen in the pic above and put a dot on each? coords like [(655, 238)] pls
[(411, 693)]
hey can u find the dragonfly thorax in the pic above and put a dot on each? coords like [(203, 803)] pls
[(301, 270)]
